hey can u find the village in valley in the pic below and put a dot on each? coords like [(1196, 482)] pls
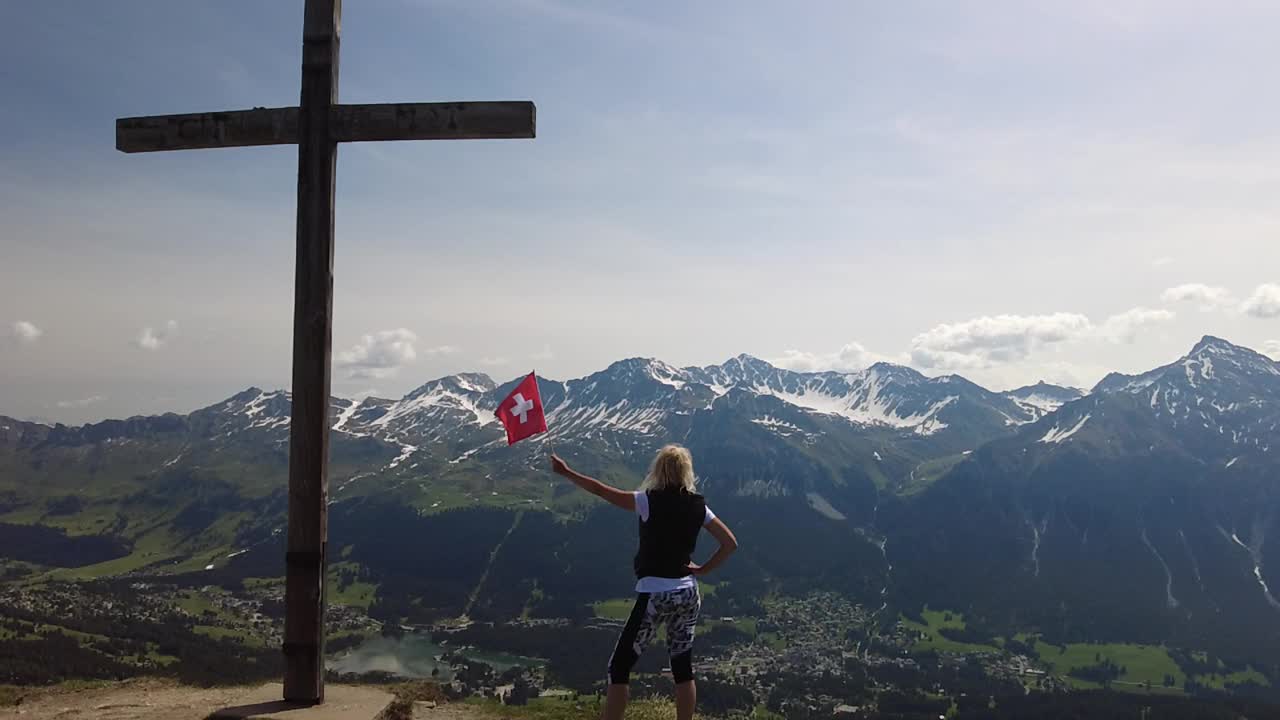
[(819, 652)]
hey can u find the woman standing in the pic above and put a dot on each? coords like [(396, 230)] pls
[(671, 514)]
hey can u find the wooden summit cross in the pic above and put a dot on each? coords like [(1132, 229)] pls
[(316, 126)]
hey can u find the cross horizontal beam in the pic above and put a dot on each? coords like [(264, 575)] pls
[(348, 123)]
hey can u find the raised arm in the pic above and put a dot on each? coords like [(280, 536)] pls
[(621, 498), (728, 543)]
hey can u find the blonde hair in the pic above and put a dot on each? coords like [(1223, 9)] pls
[(672, 469)]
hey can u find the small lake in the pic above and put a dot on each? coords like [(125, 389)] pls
[(414, 656)]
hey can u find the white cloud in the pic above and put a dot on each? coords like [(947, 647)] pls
[(985, 341), (1264, 303), (382, 354), (493, 361), (853, 356), (152, 339), (82, 402), (1272, 349), (1162, 261), (26, 332), (1209, 297), (543, 354), (1124, 326), (988, 341)]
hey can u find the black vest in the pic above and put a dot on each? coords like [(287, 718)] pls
[(668, 537)]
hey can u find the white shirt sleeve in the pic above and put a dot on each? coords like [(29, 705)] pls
[(706, 520)]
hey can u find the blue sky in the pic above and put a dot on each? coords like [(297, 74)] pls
[(1005, 191)]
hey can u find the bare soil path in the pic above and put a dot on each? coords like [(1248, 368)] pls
[(150, 699)]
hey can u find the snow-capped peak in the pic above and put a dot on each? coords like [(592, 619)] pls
[(1224, 396), (1043, 398), (451, 399), (467, 383), (1212, 360)]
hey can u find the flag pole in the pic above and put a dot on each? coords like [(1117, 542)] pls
[(550, 443)]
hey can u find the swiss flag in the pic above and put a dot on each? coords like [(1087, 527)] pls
[(521, 413)]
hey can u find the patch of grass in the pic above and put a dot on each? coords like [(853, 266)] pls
[(195, 603), (197, 563), (581, 708), (932, 639), (618, 609), (360, 635), (761, 712), (929, 471), (152, 547), (159, 659), (27, 515), (939, 619), (1078, 684), (1220, 682), (746, 625), (89, 520), (7, 634), (49, 629), (772, 640), (1143, 663), (1249, 675), (357, 594), (217, 632), (253, 583)]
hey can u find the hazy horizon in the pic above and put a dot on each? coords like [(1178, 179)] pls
[(497, 377)]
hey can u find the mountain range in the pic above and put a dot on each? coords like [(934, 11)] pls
[(1142, 509)]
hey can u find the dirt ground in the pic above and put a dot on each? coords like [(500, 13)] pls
[(164, 700)]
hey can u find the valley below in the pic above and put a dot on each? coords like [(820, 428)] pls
[(910, 545)]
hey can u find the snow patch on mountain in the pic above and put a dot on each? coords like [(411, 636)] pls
[(346, 414), (781, 427), (667, 375), (1254, 549), (1056, 434), (257, 405), (824, 508), (866, 403), (405, 451), (1042, 403), (1170, 601), (1039, 400), (436, 403)]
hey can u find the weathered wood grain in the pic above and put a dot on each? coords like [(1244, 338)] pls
[(312, 345), (434, 121), (347, 123), (235, 128)]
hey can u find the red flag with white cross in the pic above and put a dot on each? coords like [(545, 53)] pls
[(521, 413)]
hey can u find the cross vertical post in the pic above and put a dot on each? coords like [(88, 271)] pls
[(316, 126), (312, 340)]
